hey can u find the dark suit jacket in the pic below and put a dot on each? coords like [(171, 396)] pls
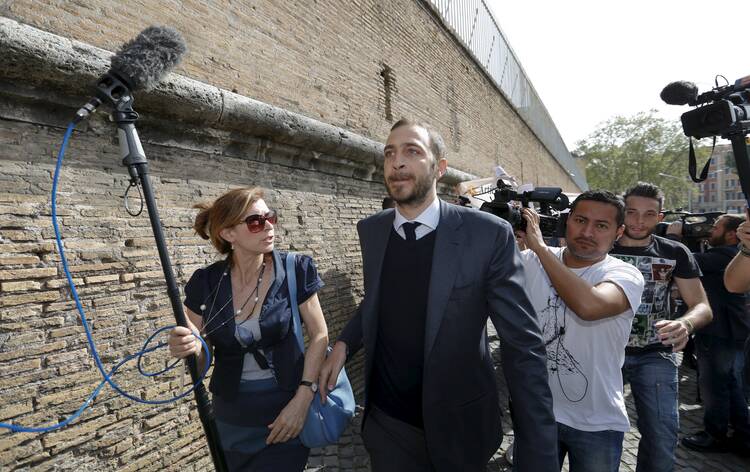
[(476, 272)]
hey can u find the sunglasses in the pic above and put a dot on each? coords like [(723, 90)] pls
[(256, 223)]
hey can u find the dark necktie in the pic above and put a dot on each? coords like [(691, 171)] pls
[(410, 230)]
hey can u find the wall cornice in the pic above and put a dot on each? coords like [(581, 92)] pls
[(62, 71)]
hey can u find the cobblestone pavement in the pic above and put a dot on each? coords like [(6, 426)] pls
[(350, 454)]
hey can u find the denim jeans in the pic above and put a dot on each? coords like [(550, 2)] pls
[(653, 383), (721, 363), (597, 451)]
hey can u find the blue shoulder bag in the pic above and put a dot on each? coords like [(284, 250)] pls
[(325, 421)]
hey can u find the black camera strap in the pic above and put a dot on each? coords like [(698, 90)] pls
[(692, 163)]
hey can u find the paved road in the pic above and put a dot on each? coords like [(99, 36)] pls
[(350, 454)]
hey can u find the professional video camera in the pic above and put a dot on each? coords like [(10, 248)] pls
[(696, 227), (552, 201), (723, 111)]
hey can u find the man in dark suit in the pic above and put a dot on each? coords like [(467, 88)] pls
[(433, 272)]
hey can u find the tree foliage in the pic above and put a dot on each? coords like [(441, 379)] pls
[(626, 150)]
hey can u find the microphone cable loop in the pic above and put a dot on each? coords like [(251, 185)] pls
[(133, 183), (146, 349)]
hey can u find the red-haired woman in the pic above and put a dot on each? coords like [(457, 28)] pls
[(262, 384)]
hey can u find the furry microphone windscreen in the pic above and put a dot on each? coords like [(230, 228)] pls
[(145, 60), (679, 93)]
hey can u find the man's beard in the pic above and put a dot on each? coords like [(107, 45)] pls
[(718, 241), (418, 195)]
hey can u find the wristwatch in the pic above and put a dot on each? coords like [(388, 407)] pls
[(313, 386)]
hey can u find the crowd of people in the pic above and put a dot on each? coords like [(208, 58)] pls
[(575, 322)]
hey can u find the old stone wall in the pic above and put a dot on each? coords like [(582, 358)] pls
[(322, 180), (46, 371), (326, 79), (357, 64)]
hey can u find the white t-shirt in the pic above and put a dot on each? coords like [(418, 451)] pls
[(584, 358)]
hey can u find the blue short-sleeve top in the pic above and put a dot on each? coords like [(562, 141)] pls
[(208, 294)]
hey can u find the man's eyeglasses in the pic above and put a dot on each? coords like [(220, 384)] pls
[(256, 223)]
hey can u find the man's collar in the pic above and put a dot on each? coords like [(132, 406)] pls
[(429, 217)]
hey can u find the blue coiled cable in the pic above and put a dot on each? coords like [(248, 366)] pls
[(107, 376)]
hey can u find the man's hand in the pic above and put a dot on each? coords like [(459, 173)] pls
[(329, 373), (533, 237), (675, 228), (673, 333)]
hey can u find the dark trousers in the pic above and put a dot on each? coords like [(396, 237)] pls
[(589, 451), (394, 446), (721, 363)]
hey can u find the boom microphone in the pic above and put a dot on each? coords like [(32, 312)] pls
[(139, 64), (680, 93)]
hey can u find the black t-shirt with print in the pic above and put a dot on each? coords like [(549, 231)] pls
[(659, 262)]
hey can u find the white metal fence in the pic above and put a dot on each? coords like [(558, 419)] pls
[(472, 23)]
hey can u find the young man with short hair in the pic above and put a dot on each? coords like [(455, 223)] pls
[(585, 300), (650, 362)]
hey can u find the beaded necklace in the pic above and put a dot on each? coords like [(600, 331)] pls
[(253, 294)]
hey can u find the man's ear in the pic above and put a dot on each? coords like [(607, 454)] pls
[(620, 232), (442, 167), (661, 217)]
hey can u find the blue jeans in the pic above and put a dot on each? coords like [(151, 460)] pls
[(653, 382), (721, 363), (597, 451)]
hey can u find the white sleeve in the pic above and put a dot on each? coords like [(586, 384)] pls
[(629, 279)]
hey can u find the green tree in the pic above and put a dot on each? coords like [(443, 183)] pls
[(628, 149)]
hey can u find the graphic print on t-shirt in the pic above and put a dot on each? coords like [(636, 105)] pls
[(561, 364), (655, 302)]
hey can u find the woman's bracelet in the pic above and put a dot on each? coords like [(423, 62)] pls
[(744, 250)]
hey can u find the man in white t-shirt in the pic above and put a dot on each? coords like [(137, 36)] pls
[(585, 301)]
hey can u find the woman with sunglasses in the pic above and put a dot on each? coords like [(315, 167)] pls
[(262, 384)]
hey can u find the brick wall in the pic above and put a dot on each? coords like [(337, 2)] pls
[(357, 64), (46, 371)]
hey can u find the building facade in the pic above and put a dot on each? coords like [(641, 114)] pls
[(721, 190)]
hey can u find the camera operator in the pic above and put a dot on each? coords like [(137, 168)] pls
[(737, 275), (585, 301), (650, 362), (719, 347)]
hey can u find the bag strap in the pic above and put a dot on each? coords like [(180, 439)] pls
[(291, 281)]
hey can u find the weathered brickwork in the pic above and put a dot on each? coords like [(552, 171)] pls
[(357, 64), (45, 368)]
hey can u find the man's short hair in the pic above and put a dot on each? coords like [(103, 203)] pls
[(732, 222), (437, 145), (388, 202), (602, 196), (646, 190)]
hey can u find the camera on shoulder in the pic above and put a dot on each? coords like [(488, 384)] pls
[(507, 204)]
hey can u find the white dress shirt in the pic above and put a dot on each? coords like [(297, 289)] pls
[(429, 220)]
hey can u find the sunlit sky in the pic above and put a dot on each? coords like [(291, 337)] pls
[(591, 60)]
